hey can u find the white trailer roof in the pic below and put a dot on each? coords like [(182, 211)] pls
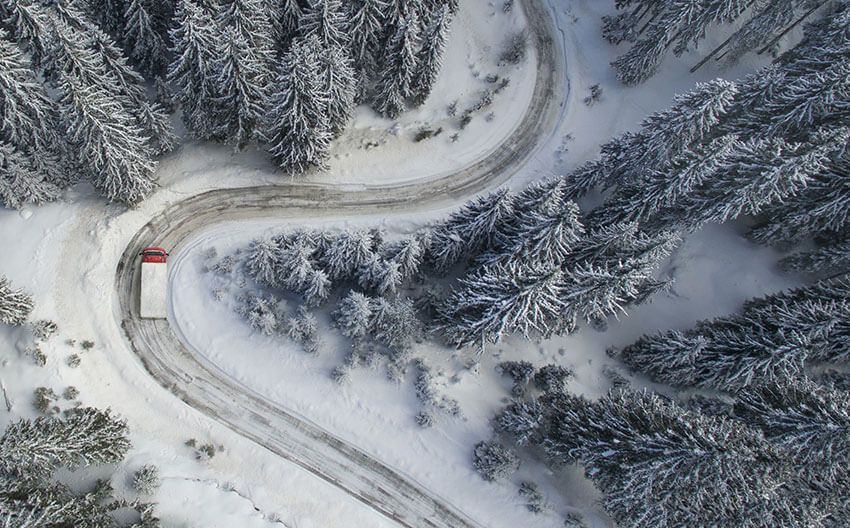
[(152, 291)]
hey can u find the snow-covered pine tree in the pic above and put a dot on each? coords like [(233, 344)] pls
[(657, 464), (316, 287), (833, 257), (679, 24), (242, 80), (543, 236), (107, 136), (662, 188), (522, 420), (15, 305), (822, 209), (145, 34), (366, 18), (601, 279), (347, 254), (109, 70), (408, 253), (429, 59), (388, 278), (252, 20), (473, 227), (194, 71), (295, 266), (21, 182), (399, 63), (496, 300), (354, 315), (397, 325), (35, 448), (663, 136), (290, 12), (338, 84), (261, 313), (807, 420), (327, 20), (755, 174), (297, 130), (493, 462), (669, 133), (262, 262), (29, 121), (775, 338)]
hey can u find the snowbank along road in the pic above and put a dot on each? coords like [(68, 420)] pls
[(204, 387)]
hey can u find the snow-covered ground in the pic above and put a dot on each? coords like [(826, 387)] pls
[(65, 254)]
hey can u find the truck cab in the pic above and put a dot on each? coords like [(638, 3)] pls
[(154, 255)]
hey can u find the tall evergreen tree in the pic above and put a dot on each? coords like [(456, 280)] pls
[(297, 130), (338, 86), (776, 337), (328, 21), (398, 68), (366, 19), (145, 34), (242, 80), (429, 59), (108, 138), (496, 300), (195, 69), (657, 464)]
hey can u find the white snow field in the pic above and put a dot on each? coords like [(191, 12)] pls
[(66, 255)]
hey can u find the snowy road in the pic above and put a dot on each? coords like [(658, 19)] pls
[(176, 366)]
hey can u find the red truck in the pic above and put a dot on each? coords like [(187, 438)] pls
[(152, 291)]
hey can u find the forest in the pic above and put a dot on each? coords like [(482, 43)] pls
[(740, 420)]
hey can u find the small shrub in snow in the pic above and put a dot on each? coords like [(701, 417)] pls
[(87, 345), (574, 520), (520, 372), (44, 329), (425, 418), (618, 381), (146, 480), (340, 374), (303, 328), (465, 119), (38, 356), (219, 294), (552, 378), (504, 83), (354, 315), (426, 133), (261, 313), (534, 500), (508, 6), (451, 110), (521, 420), (595, 95), (225, 265), (191, 442), (43, 399), (74, 360), (205, 452), (494, 462), (515, 49), (70, 392)]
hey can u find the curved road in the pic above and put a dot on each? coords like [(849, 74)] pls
[(206, 388)]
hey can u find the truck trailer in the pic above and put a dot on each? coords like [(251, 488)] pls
[(154, 283)]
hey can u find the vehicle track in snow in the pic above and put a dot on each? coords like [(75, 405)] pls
[(203, 386)]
